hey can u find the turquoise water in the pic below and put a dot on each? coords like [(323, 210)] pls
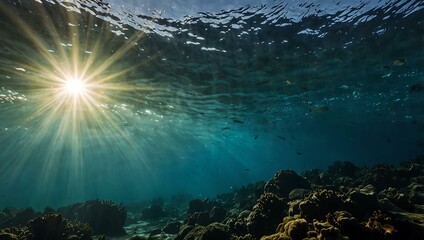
[(186, 97)]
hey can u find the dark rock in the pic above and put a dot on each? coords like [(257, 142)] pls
[(365, 197), (321, 202), (266, 214), (13, 217), (202, 218), (194, 234), (294, 228), (48, 210), (298, 193), (104, 217), (317, 177), (198, 205), (342, 169), (183, 232), (172, 228), (153, 212), (155, 232), (285, 181), (55, 227), (217, 214), (215, 231)]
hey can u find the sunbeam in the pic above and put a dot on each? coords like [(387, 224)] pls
[(73, 81)]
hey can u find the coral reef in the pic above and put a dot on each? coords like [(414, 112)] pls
[(49, 227), (283, 182), (105, 217), (345, 202)]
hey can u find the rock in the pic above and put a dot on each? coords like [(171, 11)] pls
[(266, 214), (54, 226), (183, 232), (217, 214), (8, 236), (105, 217), (153, 212), (198, 205), (342, 169), (194, 233), (298, 193), (321, 202), (276, 236), (296, 229), (14, 217), (365, 198), (215, 231), (285, 181), (172, 228), (155, 232)]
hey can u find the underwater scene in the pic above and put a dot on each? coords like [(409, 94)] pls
[(222, 120)]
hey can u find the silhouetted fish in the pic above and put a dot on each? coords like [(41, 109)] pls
[(238, 121), (399, 62), (299, 153), (246, 169), (225, 128), (417, 87), (281, 137), (256, 137)]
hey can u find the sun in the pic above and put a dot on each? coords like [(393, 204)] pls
[(74, 86)]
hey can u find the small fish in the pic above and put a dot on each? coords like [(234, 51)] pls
[(246, 169), (288, 82), (299, 153), (280, 137), (256, 137), (399, 62), (319, 109), (225, 128), (238, 121), (417, 87)]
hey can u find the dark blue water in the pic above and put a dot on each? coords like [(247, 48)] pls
[(195, 98)]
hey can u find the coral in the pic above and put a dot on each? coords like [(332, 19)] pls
[(276, 236), (285, 181), (215, 231), (331, 233), (198, 205), (104, 217), (266, 214), (298, 193), (49, 227), (342, 169), (183, 232), (194, 233), (153, 212), (55, 227), (296, 229), (379, 226), (13, 217), (172, 228), (321, 202)]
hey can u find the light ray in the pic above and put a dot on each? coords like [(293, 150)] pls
[(70, 75)]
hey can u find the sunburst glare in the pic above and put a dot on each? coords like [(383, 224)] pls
[(75, 86), (72, 74)]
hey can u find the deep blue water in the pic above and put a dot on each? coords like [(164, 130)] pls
[(195, 98)]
